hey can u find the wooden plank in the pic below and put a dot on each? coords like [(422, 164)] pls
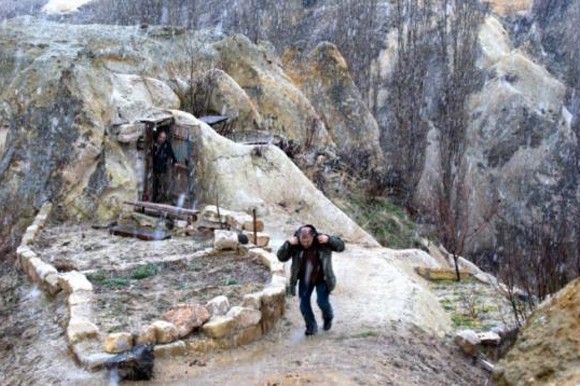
[(141, 234)]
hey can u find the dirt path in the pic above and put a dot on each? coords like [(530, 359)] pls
[(385, 332)]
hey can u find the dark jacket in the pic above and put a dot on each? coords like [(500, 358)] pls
[(288, 251), (161, 155)]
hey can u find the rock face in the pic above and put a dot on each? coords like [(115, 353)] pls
[(86, 99), (546, 351), (324, 77), (520, 144)]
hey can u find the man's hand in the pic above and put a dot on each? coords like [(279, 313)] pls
[(323, 239), (293, 240)]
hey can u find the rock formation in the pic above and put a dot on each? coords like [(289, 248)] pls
[(546, 351), (72, 110)]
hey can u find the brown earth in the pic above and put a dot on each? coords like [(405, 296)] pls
[(33, 351), (374, 339), (137, 281)]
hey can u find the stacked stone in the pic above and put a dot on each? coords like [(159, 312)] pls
[(45, 275), (221, 325)]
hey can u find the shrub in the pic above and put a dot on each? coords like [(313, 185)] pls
[(116, 282), (145, 271)]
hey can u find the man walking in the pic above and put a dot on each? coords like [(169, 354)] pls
[(311, 255)]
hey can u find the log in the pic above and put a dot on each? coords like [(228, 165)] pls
[(141, 234), (486, 365), (170, 211)]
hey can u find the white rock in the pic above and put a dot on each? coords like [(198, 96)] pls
[(468, 341), (225, 239), (170, 350), (253, 301), (80, 329), (218, 306), (245, 317), (74, 281)]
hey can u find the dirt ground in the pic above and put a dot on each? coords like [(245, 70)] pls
[(33, 351), (137, 281), (382, 335)]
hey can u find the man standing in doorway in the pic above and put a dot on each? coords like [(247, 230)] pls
[(311, 255), (162, 154)]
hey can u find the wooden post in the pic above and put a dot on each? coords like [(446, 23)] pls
[(255, 227)]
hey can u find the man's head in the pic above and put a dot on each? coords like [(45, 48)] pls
[(162, 137), (306, 236)]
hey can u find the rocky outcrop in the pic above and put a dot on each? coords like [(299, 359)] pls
[(323, 75), (546, 351), (262, 177), (284, 109), (519, 142), (86, 95)]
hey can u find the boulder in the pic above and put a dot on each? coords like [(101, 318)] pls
[(74, 281), (244, 317), (51, 284), (225, 240), (118, 342), (285, 110), (79, 330), (272, 308), (90, 355), (187, 317), (219, 326), (129, 132), (218, 306), (468, 340), (253, 301), (489, 338), (268, 259), (81, 311), (148, 334), (79, 297), (38, 270), (227, 97), (165, 332), (176, 348), (246, 335)]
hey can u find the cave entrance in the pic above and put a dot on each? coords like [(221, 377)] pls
[(177, 186)]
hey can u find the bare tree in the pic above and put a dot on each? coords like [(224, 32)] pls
[(356, 35), (457, 31), (408, 128)]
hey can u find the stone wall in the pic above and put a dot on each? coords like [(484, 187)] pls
[(214, 325)]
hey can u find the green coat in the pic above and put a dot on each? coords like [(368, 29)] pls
[(288, 251)]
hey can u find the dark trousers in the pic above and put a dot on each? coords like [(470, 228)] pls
[(305, 292), (161, 187)]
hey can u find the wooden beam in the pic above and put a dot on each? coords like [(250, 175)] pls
[(170, 211)]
